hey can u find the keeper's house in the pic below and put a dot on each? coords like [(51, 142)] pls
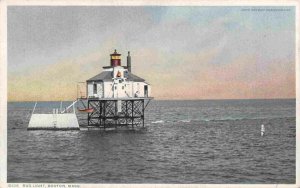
[(117, 81)]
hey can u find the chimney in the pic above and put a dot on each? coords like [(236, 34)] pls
[(129, 62)]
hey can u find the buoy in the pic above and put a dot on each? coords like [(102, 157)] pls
[(262, 131)]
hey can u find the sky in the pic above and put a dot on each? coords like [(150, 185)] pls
[(183, 52)]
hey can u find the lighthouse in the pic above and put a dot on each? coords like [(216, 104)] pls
[(116, 96)]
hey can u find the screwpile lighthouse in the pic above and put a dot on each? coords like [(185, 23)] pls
[(114, 98), (117, 97)]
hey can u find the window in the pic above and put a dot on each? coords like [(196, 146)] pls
[(95, 88)]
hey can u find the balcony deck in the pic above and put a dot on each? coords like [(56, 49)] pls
[(116, 99)]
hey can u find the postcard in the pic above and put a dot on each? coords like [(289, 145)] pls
[(127, 93)]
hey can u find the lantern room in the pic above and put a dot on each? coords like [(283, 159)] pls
[(115, 59)]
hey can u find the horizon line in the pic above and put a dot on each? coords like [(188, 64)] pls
[(173, 99)]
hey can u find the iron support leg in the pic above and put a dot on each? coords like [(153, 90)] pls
[(143, 114)]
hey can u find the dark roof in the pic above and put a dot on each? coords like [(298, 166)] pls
[(103, 76), (107, 76), (132, 77)]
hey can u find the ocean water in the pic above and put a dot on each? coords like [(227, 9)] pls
[(205, 142)]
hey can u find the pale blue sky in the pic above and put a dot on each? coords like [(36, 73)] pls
[(39, 37)]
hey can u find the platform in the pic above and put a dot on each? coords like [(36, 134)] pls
[(118, 99), (53, 122)]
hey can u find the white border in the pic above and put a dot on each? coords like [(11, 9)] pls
[(3, 73), (3, 93)]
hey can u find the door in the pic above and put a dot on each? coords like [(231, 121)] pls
[(145, 91), (95, 90)]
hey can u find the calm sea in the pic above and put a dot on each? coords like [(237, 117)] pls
[(215, 141)]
